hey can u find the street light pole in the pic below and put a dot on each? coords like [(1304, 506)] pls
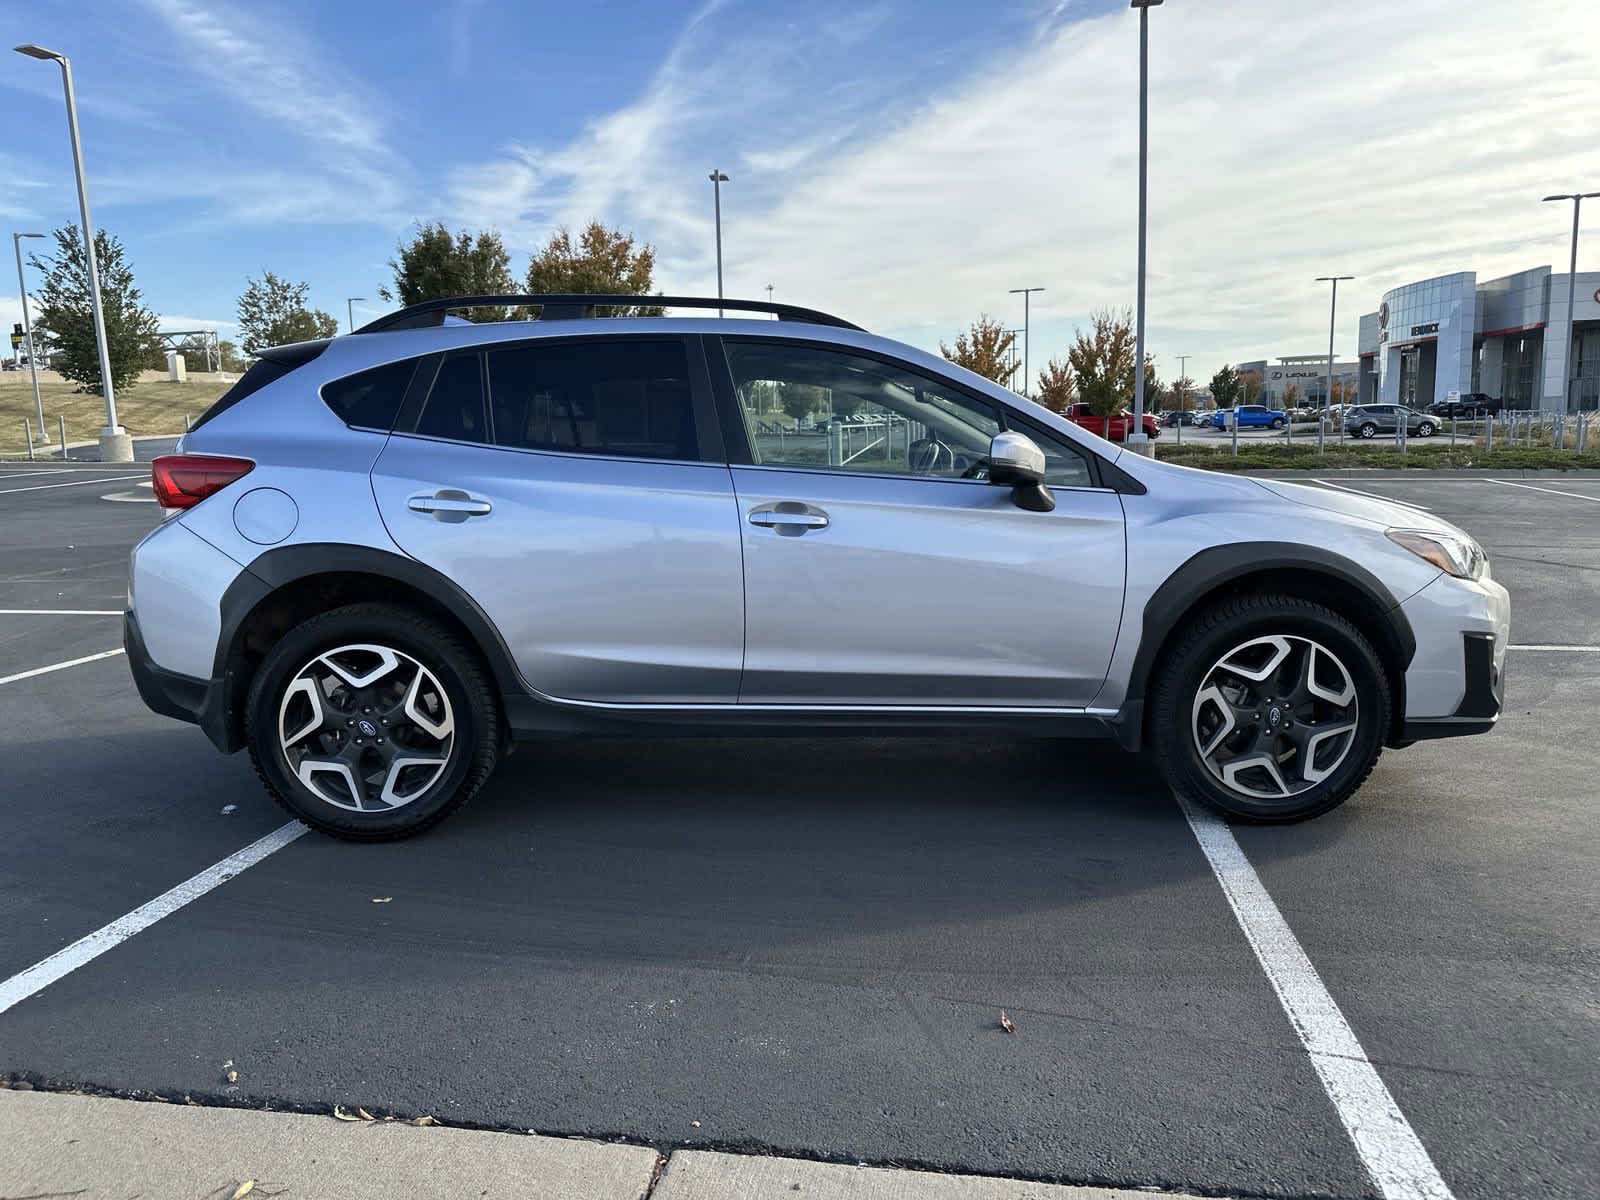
[(115, 444), (1027, 294), (1327, 395), (1183, 393), (27, 329), (350, 311), (1577, 199), (717, 180), (1136, 438)]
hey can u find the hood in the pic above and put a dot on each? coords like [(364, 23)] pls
[(1388, 513)]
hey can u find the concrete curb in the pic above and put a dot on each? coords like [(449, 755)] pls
[(59, 1144)]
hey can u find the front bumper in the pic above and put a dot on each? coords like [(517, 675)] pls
[(1482, 700), (1455, 684), (197, 701)]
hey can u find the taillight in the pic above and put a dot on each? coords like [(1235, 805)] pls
[(183, 480)]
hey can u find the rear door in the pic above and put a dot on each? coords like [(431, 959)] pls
[(575, 489), (881, 568)]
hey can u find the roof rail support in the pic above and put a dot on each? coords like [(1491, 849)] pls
[(578, 305)]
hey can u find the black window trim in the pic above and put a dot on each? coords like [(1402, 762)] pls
[(737, 436), (708, 437), (417, 362)]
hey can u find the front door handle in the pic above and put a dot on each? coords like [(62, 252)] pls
[(790, 518), (450, 505)]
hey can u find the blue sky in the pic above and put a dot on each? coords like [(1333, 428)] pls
[(902, 163)]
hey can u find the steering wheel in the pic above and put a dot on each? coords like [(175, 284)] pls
[(924, 455)]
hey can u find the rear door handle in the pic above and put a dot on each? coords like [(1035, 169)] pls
[(790, 518), (450, 505)]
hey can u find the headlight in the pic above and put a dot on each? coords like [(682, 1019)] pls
[(1459, 556)]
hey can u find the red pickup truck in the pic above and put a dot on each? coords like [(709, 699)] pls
[(1113, 429)]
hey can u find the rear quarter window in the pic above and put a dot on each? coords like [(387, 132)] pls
[(370, 399)]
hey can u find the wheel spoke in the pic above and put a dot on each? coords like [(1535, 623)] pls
[(314, 769)]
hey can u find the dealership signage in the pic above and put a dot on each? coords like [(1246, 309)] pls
[(1424, 330), (1297, 374)]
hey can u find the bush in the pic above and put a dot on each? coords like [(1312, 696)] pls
[(1259, 456)]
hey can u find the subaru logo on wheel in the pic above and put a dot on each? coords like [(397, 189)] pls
[(368, 729), (1273, 717)]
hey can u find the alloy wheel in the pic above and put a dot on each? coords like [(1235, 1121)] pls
[(1275, 716), (366, 727)]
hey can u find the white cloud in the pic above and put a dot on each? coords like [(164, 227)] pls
[(1386, 141)]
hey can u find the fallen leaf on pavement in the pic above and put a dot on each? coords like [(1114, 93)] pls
[(233, 1076), (382, 899), (422, 1121), (1007, 1023), (364, 1115), (339, 1114), (243, 1190)]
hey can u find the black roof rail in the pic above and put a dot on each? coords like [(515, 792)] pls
[(557, 306)]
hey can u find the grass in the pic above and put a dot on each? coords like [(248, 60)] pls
[(151, 406), (1275, 457)]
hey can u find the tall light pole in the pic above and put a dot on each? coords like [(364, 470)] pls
[(115, 444), (1012, 375), (769, 293), (27, 329), (717, 180), (1136, 439), (1327, 395), (1577, 199), (350, 310), (1027, 294)]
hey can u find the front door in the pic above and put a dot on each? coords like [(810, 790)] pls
[(881, 568), (561, 485)]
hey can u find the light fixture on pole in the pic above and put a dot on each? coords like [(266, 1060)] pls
[(350, 310), (1327, 396), (27, 329), (1027, 294), (717, 180), (1137, 441), (115, 444), (769, 293), (1577, 199)]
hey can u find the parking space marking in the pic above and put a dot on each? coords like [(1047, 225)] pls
[(1550, 646), (60, 612), (44, 487), (60, 666), (91, 946), (1372, 495), (1388, 1147), (1554, 492)]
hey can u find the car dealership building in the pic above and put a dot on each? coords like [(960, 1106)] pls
[(1511, 338), (1306, 373)]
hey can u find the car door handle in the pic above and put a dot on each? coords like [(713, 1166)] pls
[(789, 517), (449, 504)]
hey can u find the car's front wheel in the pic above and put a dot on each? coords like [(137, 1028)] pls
[(1368, 429), (1426, 429), (1277, 422), (372, 722), (1270, 708)]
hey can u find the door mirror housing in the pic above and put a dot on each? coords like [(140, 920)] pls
[(1016, 462)]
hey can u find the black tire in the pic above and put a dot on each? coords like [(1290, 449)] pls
[(1368, 430), (1183, 671), (1426, 429), (1277, 422), (458, 670)]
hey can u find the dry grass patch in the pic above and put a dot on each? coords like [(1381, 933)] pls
[(150, 407)]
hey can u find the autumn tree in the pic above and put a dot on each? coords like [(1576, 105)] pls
[(1291, 396), (1183, 393), (436, 263), (65, 316), (1103, 360), (273, 312), (601, 260), (1225, 387), (1058, 386), (983, 349)]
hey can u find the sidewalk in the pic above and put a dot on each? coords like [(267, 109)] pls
[(89, 1147)]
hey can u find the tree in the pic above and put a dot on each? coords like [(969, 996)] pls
[(65, 316), (603, 260), (232, 360), (1225, 387), (1183, 394), (273, 312), (1291, 396), (1058, 386), (1103, 359), (983, 349), (800, 399), (436, 263)]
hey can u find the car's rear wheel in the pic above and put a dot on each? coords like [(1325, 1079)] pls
[(1368, 429), (1426, 429), (371, 722), (1269, 708), (1277, 422)]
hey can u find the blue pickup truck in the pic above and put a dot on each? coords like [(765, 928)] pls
[(1252, 414)]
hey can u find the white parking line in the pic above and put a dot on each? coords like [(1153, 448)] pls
[(1552, 491), (1384, 1140), (60, 666), (1372, 495), (1551, 646), (44, 487), (60, 612), (91, 946)]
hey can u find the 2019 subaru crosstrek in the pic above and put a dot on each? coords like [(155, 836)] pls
[(392, 553)]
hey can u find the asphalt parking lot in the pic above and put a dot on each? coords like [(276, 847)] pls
[(804, 946)]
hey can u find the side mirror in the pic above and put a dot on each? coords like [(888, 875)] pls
[(1016, 462)]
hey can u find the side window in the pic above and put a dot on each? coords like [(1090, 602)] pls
[(454, 408), (808, 406), (1064, 464), (370, 399), (617, 396)]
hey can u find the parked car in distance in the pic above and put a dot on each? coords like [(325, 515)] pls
[(392, 554), (1113, 429), (1252, 415), (1200, 417), (1369, 420), (1467, 404), (1175, 417)]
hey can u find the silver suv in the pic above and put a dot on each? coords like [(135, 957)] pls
[(393, 553)]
